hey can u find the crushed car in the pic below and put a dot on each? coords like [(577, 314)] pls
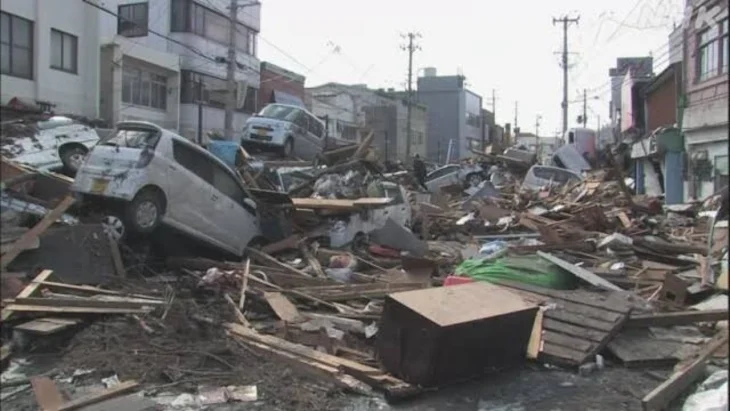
[(146, 176), (538, 177), (48, 145), (469, 175)]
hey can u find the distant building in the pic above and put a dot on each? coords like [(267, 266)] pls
[(351, 111), (640, 67), (455, 116), (279, 85), (705, 122)]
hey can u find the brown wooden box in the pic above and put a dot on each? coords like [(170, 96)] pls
[(443, 335)]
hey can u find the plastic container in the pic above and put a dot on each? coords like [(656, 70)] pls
[(225, 150), (456, 280)]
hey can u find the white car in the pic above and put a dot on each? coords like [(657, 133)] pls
[(151, 176), (59, 142), (538, 177), (344, 232), (469, 175), (288, 130)]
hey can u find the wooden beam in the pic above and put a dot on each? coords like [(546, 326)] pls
[(265, 258), (109, 393), (677, 318), (580, 272), (661, 396), (29, 290), (36, 231)]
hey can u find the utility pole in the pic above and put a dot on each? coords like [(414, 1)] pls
[(565, 21), (537, 135), (231, 70), (585, 108), (411, 47), (200, 110), (231, 64), (494, 105), (516, 112)]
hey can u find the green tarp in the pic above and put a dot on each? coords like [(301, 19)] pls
[(528, 270)]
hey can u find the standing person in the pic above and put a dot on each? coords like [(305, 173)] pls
[(419, 169)]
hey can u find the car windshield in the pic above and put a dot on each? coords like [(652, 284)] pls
[(132, 137), (279, 112)]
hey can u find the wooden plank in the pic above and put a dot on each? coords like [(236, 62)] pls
[(676, 318), (117, 258), (589, 312), (29, 290), (295, 292), (604, 303), (293, 348), (680, 380), (36, 231), (85, 302), (75, 310), (239, 315), (575, 343), (533, 346), (573, 330), (265, 258), (45, 326), (244, 284), (93, 290), (283, 308), (579, 320), (109, 393), (580, 272), (559, 355), (46, 393), (636, 347)]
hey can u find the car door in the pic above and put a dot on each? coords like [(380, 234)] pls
[(442, 177), (189, 178), (315, 136), (236, 220), (302, 147)]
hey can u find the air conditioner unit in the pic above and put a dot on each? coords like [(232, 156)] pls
[(241, 90)]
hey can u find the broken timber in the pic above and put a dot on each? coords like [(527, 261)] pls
[(579, 272)]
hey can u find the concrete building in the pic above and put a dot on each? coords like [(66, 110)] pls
[(640, 67), (350, 109), (632, 124), (279, 85), (161, 58), (50, 55), (705, 117), (455, 116)]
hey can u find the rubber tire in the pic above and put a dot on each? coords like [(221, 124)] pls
[(288, 148), (131, 212), (65, 157)]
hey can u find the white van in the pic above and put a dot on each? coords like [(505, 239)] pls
[(151, 176), (288, 130)]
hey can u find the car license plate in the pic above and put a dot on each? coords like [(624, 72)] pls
[(98, 185)]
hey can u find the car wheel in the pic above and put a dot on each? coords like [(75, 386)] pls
[(474, 180), (73, 158), (288, 148), (114, 227), (144, 213)]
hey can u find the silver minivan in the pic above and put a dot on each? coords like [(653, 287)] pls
[(288, 130)]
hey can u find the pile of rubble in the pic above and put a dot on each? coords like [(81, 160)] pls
[(378, 289)]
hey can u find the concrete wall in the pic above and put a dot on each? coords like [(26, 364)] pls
[(70, 93)]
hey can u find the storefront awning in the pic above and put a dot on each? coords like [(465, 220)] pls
[(286, 98)]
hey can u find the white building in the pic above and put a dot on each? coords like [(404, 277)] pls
[(158, 54), (130, 59), (50, 55)]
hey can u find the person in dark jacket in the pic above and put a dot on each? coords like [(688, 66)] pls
[(419, 169)]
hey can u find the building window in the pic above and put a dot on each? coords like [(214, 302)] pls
[(214, 91), (143, 88), (16, 46), (132, 20), (192, 17), (64, 51), (710, 61)]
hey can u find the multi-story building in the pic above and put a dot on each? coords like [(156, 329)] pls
[(640, 67), (50, 55), (705, 115), (350, 109), (455, 117), (279, 85), (165, 61)]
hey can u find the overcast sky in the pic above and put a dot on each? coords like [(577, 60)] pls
[(512, 48)]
